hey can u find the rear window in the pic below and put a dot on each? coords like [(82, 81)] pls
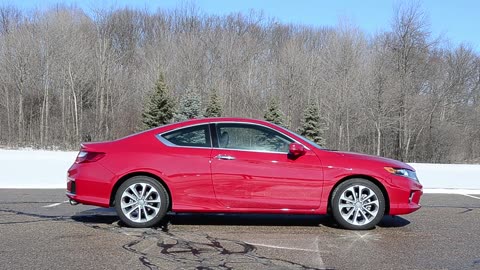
[(196, 136)]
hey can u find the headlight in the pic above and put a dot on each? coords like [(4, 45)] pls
[(402, 172)]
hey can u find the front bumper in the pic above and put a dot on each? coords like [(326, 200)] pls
[(405, 196)]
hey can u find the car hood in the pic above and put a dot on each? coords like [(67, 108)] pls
[(380, 160)]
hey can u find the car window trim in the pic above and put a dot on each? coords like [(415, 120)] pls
[(213, 134), (248, 150), (170, 144)]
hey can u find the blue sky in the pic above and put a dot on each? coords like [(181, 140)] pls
[(457, 21)]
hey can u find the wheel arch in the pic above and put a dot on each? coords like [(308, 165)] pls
[(141, 173), (365, 177)]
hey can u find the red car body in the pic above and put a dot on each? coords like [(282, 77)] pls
[(253, 182)]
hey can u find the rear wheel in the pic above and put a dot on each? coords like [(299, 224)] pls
[(358, 204), (141, 202)]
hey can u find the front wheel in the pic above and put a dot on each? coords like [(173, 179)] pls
[(357, 204), (141, 202)]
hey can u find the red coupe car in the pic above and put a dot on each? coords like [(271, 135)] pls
[(236, 165)]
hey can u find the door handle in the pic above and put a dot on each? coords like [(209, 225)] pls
[(225, 157)]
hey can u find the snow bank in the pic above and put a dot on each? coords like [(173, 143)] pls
[(47, 169), (457, 176), (34, 168)]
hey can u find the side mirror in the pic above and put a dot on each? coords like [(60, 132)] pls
[(296, 149)]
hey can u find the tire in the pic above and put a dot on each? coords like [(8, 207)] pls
[(144, 195), (357, 204)]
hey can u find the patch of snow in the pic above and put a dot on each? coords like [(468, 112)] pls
[(460, 191), (29, 168), (448, 176)]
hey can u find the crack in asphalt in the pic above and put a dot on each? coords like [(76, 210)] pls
[(466, 209), (28, 202), (45, 217), (188, 244), (144, 260), (173, 248), (214, 253), (22, 222), (205, 252), (449, 206)]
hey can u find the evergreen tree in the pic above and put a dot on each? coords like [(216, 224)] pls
[(313, 125), (214, 109), (273, 113), (190, 105), (160, 107)]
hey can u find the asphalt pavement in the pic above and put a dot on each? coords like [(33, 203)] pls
[(40, 230)]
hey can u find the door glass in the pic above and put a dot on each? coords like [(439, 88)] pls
[(197, 136), (251, 137)]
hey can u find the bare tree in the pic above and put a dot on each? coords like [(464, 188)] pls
[(67, 76)]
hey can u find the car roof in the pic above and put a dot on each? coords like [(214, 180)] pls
[(222, 119), (197, 121)]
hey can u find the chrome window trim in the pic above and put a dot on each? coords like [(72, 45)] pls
[(246, 150), (165, 141), (255, 124), (251, 150), (168, 143)]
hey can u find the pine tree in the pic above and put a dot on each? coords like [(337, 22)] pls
[(273, 113), (160, 107), (214, 109), (313, 125), (190, 105)]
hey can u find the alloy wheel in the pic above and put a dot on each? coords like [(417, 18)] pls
[(358, 205), (140, 202)]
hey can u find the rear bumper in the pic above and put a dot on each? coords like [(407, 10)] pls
[(71, 186), (89, 183)]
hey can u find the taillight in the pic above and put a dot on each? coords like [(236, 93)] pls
[(85, 156)]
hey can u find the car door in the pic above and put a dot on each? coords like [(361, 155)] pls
[(251, 168), (188, 160)]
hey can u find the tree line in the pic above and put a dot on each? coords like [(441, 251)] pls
[(161, 110), (67, 75)]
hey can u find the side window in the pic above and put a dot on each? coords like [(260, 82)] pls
[(251, 137), (196, 136)]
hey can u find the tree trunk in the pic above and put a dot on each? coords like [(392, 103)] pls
[(379, 138), (75, 103)]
